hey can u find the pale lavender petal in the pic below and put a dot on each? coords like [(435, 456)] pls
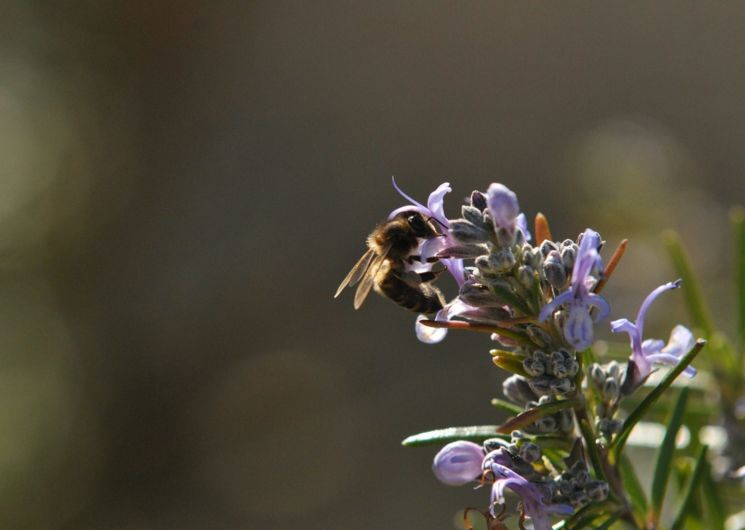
[(435, 203), (428, 334), (600, 303), (522, 224), (548, 309), (424, 211), (503, 206), (578, 327), (561, 509), (458, 463), (623, 325), (671, 360), (587, 256), (429, 249), (648, 301), (457, 269), (681, 341), (652, 346)]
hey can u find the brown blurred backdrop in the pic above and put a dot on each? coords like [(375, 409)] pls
[(183, 185)]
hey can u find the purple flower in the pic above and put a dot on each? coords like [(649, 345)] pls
[(430, 335), (578, 299), (505, 212), (532, 495), (645, 353), (458, 463), (435, 210)]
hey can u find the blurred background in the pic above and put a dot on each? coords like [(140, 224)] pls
[(184, 184)]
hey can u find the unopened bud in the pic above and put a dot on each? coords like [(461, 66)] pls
[(597, 374), (466, 232), (530, 452), (478, 200), (597, 490), (568, 256), (502, 260), (611, 389), (579, 499), (554, 270), (525, 275), (546, 247), (473, 215), (517, 390)]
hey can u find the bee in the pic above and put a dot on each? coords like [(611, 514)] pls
[(384, 267)]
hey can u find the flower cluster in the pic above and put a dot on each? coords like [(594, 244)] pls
[(540, 299)]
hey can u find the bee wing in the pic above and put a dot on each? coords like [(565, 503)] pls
[(368, 280), (357, 272)]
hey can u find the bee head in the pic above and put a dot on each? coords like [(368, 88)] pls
[(418, 225)]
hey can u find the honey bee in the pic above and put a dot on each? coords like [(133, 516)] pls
[(383, 267)]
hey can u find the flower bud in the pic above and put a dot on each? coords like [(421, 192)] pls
[(546, 425), (568, 256), (492, 444), (554, 270), (547, 247), (467, 232), (473, 215), (517, 390), (533, 367), (458, 463), (477, 295), (598, 375), (503, 206), (530, 452), (478, 200), (525, 276), (597, 490), (541, 385), (502, 260), (579, 499), (611, 389)]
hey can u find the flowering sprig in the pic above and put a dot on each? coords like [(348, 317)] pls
[(646, 353), (540, 301)]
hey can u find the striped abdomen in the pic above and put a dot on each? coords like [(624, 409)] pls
[(421, 298)]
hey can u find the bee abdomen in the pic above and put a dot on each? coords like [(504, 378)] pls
[(424, 298)]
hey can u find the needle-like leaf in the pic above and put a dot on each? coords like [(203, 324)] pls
[(694, 297), (476, 433), (687, 503), (665, 458)]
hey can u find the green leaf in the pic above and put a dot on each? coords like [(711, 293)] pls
[(633, 486), (531, 416), (506, 406), (476, 433), (692, 292), (685, 506), (737, 217), (712, 500), (609, 522), (592, 448), (654, 394), (582, 517), (665, 458)]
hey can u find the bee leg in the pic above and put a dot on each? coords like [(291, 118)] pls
[(412, 259), (417, 278)]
